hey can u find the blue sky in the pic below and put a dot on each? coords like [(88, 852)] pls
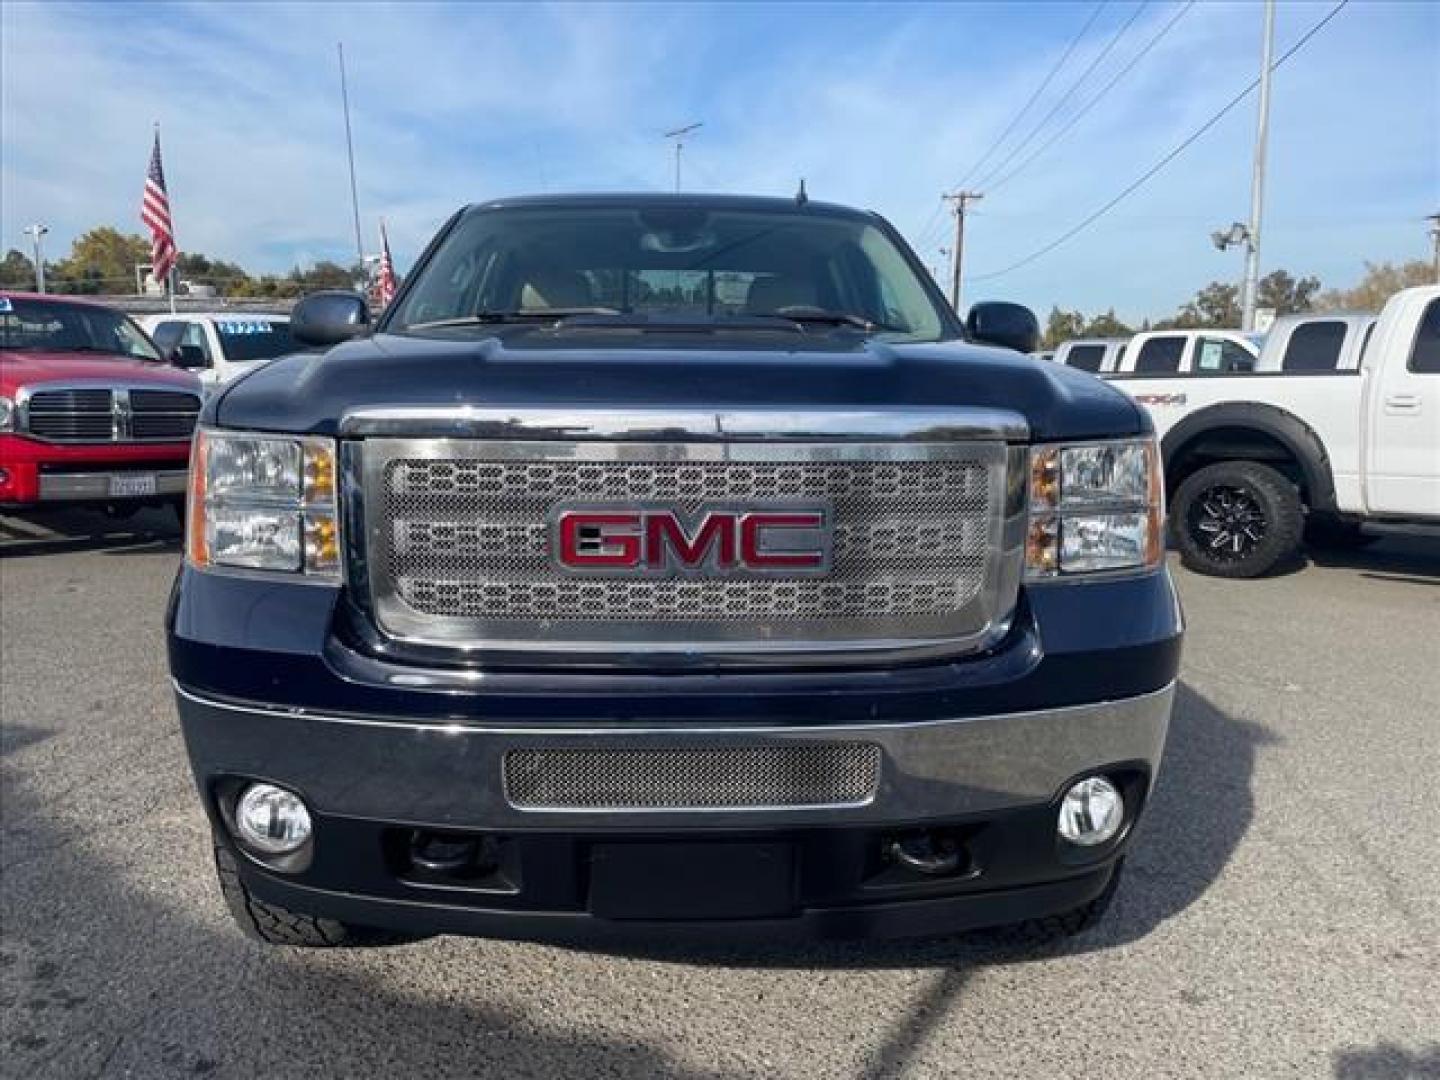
[(877, 105)]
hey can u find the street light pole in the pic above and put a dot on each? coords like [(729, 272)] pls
[(36, 232), (1434, 220), (679, 136), (1251, 285)]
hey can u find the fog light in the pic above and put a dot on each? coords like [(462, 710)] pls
[(271, 819), (1092, 812)]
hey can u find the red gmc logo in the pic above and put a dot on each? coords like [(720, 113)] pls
[(784, 540)]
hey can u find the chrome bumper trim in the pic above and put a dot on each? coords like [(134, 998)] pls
[(62, 487), (450, 774)]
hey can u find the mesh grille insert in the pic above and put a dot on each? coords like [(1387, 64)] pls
[(688, 778), (467, 538)]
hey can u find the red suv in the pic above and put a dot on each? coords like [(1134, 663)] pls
[(89, 412)]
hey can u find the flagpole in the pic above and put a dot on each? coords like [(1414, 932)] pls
[(350, 153), (170, 276)]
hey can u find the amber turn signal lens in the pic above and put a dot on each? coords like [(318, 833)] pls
[(197, 547)]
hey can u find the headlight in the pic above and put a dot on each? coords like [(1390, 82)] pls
[(7, 414), (263, 502), (1094, 507)]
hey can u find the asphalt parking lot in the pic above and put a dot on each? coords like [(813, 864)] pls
[(1279, 918)]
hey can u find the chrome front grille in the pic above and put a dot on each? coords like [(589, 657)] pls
[(693, 777), (109, 414), (468, 538), (451, 548)]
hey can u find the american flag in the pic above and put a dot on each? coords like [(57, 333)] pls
[(155, 213), (385, 281)]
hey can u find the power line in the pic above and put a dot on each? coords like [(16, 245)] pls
[(929, 225), (1171, 156), (1068, 94), (1036, 95), (1077, 117)]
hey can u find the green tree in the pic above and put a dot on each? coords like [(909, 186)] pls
[(1062, 326), (1381, 281), (17, 270), (1217, 306), (328, 275), (1107, 325), (1285, 294), (101, 260), (227, 277)]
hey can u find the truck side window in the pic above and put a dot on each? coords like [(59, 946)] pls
[(1159, 355), (1425, 358), (1221, 356), (1314, 347), (1086, 357)]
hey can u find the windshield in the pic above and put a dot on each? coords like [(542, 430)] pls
[(245, 340), (677, 262), (45, 326)]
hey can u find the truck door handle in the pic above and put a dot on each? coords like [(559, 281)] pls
[(1402, 403)]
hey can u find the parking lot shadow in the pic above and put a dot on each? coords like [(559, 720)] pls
[(1388, 1061), (101, 978), (1410, 554), (71, 531)]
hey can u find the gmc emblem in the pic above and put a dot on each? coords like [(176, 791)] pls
[(753, 540)]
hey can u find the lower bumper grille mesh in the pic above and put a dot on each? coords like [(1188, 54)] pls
[(693, 778)]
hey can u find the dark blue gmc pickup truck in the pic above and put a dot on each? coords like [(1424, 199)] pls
[(671, 565)]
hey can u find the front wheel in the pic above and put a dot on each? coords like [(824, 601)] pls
[(1236, 519), (275, 925)]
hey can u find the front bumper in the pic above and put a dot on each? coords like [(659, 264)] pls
[(34, 472), (979, 748), (990, 784)]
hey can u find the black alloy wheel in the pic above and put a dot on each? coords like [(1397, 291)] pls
[(1236, 519)]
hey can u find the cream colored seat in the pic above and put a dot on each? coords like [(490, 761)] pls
[(549, 288)]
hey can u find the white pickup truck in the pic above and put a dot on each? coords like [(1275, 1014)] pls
[(1257, 461), (219, 345)]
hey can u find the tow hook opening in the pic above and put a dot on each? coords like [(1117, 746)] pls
[(462, 860), (930, 852)]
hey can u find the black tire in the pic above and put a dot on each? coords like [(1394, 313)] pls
[(1322, 531), (1236, 519), (1035, 933), (276, 925)]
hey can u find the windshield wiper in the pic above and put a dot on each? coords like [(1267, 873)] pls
[(831, 318), (487, 318)]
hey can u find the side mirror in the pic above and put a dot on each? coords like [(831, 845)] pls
[(329, 317), (1011, 326), (189, 357)]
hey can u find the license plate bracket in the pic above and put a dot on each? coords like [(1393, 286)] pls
[(708, 879)]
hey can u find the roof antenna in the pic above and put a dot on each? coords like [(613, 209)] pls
[(801, 198)]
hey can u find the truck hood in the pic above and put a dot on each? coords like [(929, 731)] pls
[(526, 366), (20, 368)]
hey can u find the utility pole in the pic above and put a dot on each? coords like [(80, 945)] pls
[(1434, 220), (350, 152), (961, 201), (1251, 284), (36, 232), (679, 136)]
